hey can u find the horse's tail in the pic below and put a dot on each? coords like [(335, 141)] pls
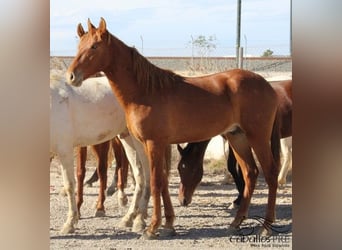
[(275, 140)]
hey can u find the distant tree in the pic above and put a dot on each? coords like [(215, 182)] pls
[(203, 45), (267, 53)]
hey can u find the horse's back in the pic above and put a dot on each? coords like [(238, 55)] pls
[(85, 115), (229, 98)]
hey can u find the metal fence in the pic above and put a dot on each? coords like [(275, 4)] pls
[(203, 65)]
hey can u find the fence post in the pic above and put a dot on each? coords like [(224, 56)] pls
[(240, 58)]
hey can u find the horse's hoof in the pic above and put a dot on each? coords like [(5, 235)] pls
[(147, 235), (88, 184), (233, 206), (125, 223), (123, 201), (138, 225), (281, 184), (100, 213), (233, 230), (110, 191), (63, 192), (167, 232), (67, 229)]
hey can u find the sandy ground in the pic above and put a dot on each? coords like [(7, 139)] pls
[(202, 225)]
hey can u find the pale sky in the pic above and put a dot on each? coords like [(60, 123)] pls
[(164, 28)]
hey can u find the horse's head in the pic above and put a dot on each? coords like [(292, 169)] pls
[(92, 55), (190, 168)]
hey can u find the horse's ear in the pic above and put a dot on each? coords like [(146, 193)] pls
[(180, 149), (102, 26), (80, 30), (91, 27)]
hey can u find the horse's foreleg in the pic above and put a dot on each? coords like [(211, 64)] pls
[(101, 151), (69, 186), (159, 185), (113, 186), (235, 171), (168, 208), (92, 179), (81, 161)]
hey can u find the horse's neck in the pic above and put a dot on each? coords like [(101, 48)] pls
[(121, 76), (124, 86)]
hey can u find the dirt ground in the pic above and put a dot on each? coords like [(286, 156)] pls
[(201, 225)]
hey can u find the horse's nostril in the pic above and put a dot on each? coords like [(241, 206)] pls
[(72, 76)]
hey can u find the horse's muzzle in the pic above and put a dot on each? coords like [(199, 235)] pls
[(74, 79), (184, 202)]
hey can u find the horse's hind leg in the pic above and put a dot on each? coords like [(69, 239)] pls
[(101, 151), (243, 154), (81, 161), (121, 170), (270, 169), (134, 208), (286, 151)]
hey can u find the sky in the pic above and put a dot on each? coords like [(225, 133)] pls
[(166, 28)]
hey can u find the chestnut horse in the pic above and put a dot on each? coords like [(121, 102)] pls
[(91, 115), (101, 152), (120, 168), (164, 108), (190, 166)]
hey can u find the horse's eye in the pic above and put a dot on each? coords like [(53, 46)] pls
[(94, 46)]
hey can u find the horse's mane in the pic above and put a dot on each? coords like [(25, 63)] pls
[(152, 78)]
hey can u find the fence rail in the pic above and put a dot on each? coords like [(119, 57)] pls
[(204, 65)]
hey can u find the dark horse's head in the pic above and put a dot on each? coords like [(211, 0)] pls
[(190, 168)]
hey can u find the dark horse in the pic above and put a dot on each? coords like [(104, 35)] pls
[(190, 166), (162, 108)]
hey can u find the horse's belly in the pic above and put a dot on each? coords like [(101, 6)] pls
[(99, 132), (182, 128)]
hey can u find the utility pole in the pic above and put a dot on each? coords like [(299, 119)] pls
[(238, 31), (291, 28)]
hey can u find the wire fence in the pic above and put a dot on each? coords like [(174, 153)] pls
[(194, 65)]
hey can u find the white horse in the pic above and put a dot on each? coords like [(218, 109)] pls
[(90, 115), (286, 154)]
